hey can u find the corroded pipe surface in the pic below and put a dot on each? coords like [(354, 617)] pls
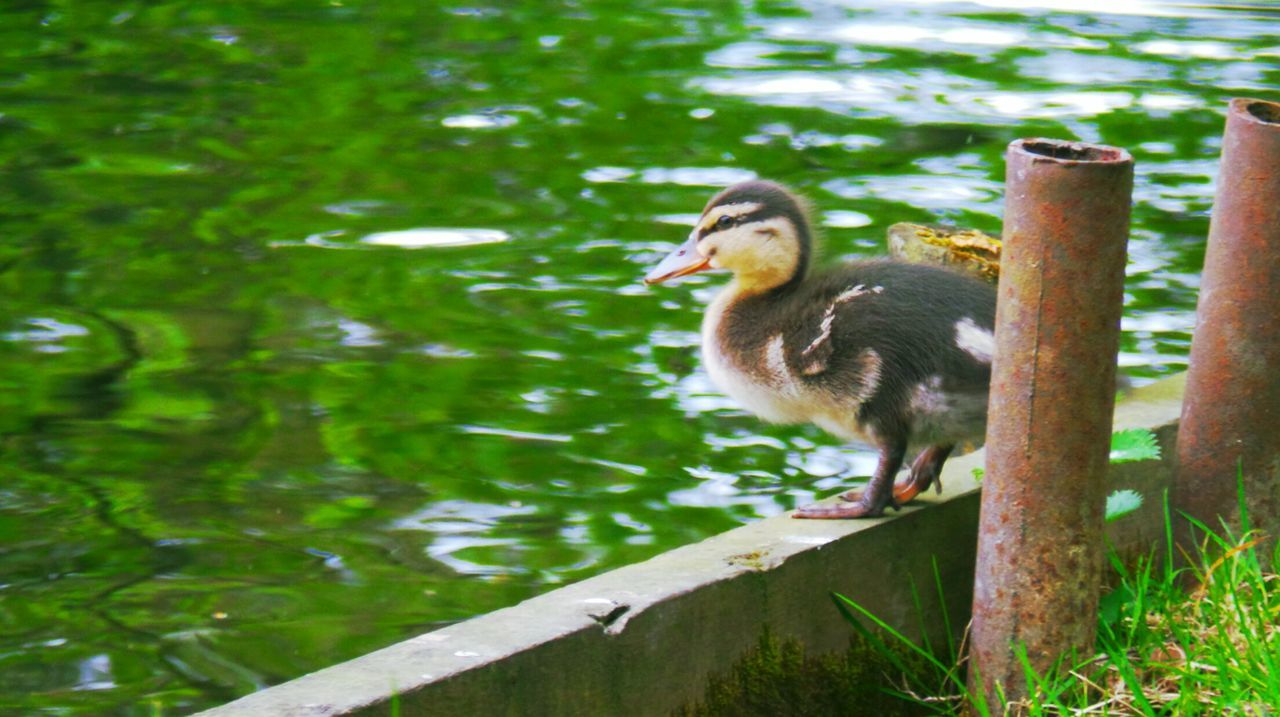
[(1231, 414), (1061, 290)]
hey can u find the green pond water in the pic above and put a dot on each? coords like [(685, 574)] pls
[(321, 323)]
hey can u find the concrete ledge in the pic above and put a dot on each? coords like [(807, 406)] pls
[(642, 640)]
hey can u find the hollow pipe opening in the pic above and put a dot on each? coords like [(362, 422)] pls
[(1263, 111), (1071, 151)]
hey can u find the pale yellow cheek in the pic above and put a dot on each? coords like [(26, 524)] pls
[(711, 251)]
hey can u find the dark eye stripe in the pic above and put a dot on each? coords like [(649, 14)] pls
[(725, 221), (716, 226)]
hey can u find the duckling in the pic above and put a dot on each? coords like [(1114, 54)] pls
[(892, 354)]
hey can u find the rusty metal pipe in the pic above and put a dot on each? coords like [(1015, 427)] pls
[(1231, 409), (1061, 290)]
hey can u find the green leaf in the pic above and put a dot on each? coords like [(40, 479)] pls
[(1121, 503), (1111, 606), (978, 472), (1136, 444)]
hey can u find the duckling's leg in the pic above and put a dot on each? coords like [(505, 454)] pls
[(878, 495), (926, 470)]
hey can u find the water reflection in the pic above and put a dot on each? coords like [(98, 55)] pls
[(717, 489), (1201, 50), (423, 238), (920, 191), (1076, 68), (454, 525), (485, 121), (403, 239), (1153, 8), (95, 674), (47, 333), (970, 33), (517, 435), (687, 176), (845, 219)]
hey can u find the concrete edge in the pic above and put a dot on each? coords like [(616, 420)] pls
[(642, 639)]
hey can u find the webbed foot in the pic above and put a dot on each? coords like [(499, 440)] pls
[(839, 511), (902, 492), (880, 492), (926, 470)]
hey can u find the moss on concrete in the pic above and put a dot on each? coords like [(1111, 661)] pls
[(778, 678)]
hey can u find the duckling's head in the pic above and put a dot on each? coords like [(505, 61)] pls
[(757, 229)]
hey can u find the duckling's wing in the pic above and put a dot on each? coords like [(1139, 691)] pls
[(915, 318), (816, 357), (825, 333)]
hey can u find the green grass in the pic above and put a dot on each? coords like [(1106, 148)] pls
[(1196, 640)]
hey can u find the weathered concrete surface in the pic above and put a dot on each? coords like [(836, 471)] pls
[(643, 639)]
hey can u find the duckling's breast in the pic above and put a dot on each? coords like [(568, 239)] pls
[(770, 394), (745, 356), (749, 365)]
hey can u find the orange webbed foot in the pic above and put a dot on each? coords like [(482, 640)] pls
[(838, 511)]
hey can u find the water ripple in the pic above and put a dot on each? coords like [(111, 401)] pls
[(516, 435), (419, 238), (493, 121), (46, 331), (687, 176), (424, 238)]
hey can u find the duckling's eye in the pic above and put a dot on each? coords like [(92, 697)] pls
[(724, 222)]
